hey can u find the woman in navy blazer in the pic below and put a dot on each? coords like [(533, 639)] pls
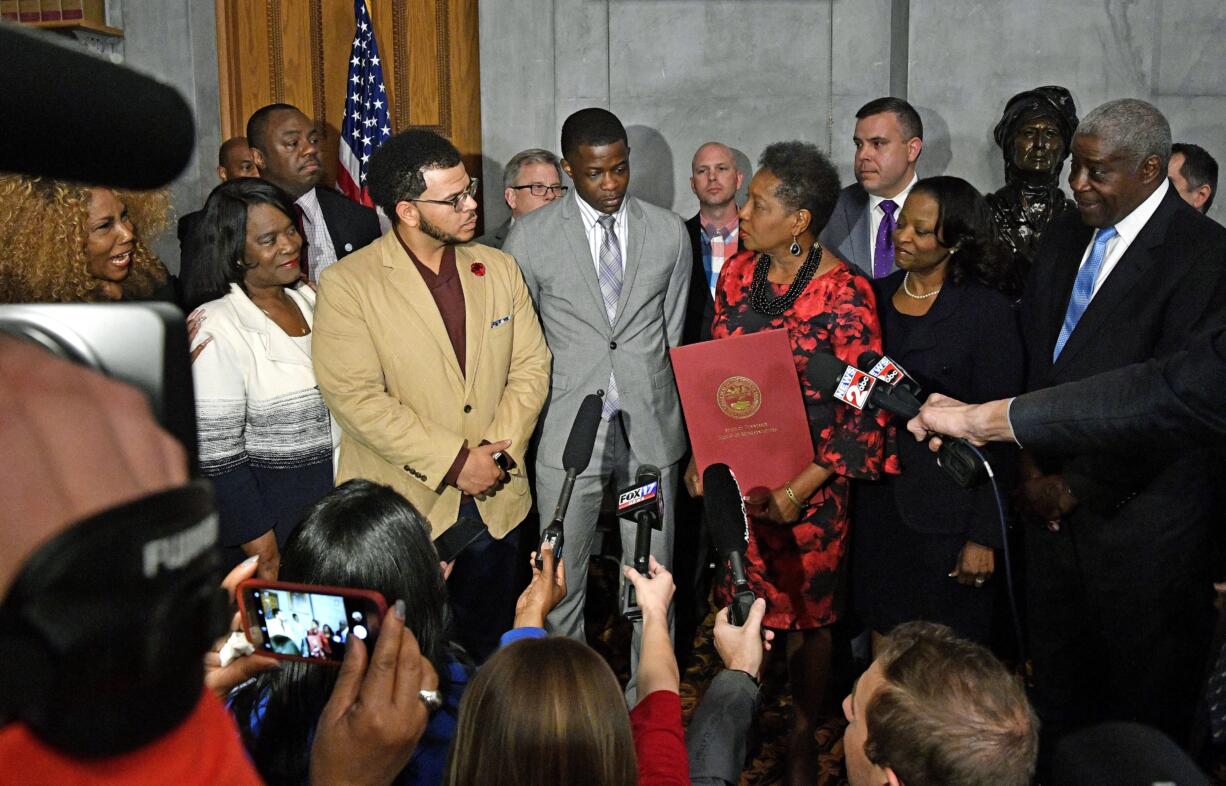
[(925, 548)]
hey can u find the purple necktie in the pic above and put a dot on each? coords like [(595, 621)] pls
[(883, 256)]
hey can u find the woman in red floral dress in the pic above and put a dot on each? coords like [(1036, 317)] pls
[(798, 534)]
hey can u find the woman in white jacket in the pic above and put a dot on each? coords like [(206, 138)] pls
[(267, 440)]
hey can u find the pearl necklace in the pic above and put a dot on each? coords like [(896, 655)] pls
[(909, 293)]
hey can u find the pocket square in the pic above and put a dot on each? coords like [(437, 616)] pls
[(500, 321)]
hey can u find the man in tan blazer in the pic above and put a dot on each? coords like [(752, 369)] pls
[(429, 354)]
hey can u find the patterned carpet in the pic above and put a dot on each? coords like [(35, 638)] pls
[(610, 635)]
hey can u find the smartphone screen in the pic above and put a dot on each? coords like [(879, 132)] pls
[(308, 622)]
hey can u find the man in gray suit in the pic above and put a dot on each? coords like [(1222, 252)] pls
[(532, 179), (609, 324), (889, 137)]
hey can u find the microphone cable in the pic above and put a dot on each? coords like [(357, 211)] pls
[(1004, 539)]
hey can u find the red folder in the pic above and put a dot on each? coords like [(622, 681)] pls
[(743, 407)]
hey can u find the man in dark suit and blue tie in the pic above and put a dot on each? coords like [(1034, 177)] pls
[(889, 138), (1119, 598)]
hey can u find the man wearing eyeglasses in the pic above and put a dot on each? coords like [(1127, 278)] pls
[(533, 179), (429, 354)]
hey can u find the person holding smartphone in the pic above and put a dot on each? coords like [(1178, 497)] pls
[(363, 537), (89, 445)]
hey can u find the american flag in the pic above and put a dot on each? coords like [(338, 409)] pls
[(367, 123)]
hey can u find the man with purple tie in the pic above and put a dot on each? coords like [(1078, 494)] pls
[(889, 137)]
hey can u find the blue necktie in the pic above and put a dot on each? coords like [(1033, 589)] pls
[(1083, 288)]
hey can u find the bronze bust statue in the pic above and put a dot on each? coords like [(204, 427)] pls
[(1034, 134)]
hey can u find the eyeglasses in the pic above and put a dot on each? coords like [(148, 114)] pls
[(540, 189), (457, 201)]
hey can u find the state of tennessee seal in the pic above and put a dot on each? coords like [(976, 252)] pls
[(739, 397)]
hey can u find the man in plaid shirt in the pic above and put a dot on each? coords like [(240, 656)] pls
[(713, 232)]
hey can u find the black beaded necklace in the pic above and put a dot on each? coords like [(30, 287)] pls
[(759, 298)]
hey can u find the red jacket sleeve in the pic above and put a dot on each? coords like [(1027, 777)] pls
[(659, 740)]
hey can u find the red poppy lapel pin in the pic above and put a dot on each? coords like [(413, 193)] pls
[(478, 269)]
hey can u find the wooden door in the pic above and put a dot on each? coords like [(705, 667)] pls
[(297, 52)]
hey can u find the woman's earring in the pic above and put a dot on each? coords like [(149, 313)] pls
[(795, 247)]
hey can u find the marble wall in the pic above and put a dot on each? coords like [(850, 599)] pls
[(749, 72)]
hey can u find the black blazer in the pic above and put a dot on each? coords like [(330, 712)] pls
[(496, 237), (968, 346), (188, 225), (847, 231), (350, 225), (1160, 401), (1169, 285), (700, 307)]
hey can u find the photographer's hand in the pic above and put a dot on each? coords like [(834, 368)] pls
[(657, 663), (72, 444), (546, 590), (223, 679), (742, 648), (373, 721)]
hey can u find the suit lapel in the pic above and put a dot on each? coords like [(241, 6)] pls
[(402, 275), (278, 347), (1127, 274), (859, 223), (478, 305), (928, 332), (581, 252), (636, 237)]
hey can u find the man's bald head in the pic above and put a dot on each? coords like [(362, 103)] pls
[(715, 176), (234, 159)]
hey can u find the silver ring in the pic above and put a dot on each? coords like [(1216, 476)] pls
[(431, 698), (979, 582)]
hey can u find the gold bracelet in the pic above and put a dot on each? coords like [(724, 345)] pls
[(787, 489)]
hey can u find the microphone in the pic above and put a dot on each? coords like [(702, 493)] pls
[(147, 144), (724, 511), (886, 370), (861, 390), (575, 457), (644, 504)]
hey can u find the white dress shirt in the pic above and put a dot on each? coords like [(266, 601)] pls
[(876, 215), (1126, 231), (595, 232), (320, 253)]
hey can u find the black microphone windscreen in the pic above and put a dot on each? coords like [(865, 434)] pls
[(578, 452), (646, 474), (69, 115), (868, 358), (824, 371), (723, 508)]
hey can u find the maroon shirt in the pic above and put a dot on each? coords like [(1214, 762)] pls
[(448, 296)]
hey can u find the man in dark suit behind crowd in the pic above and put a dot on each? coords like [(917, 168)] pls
[(285, 146), (533, 179), (1119, 598), (889, 137)]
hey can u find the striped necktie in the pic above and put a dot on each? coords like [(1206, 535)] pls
[(610, 275)]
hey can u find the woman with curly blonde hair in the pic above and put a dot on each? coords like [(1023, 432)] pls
[(66, 242)]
